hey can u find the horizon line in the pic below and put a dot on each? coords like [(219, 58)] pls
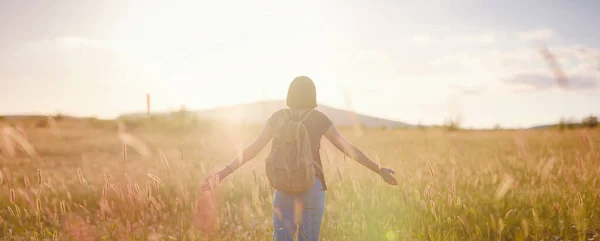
[(169, 110)]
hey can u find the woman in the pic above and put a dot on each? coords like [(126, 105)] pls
[(301, 96)]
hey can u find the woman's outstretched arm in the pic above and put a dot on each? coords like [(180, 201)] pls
[(247, 154), (353, 152)]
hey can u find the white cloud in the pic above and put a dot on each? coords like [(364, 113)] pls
[(485, 38), (508, 61), (543, 81), (541, 34), (573, 68), (468, 90), (421, 38), (75, 40)]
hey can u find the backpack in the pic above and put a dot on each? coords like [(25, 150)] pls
[(290, 165)]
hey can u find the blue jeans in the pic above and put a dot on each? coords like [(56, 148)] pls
[(305, 218)]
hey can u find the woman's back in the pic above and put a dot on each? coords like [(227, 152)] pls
[(310, 205), (316, 124)]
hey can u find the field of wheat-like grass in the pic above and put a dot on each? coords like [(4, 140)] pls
[(461, 185)]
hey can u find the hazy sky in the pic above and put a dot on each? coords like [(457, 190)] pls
[(405, 60)]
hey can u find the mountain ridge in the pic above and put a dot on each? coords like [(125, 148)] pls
[(259, 112)]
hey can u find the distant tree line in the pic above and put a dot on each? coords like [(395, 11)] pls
[(587, 122)]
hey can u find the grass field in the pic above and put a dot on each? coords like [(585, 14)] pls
[(462, 185)]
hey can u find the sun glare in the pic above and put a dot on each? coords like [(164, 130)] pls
[(209, 59)]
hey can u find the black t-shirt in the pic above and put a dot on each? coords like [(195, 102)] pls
[(316, 125)]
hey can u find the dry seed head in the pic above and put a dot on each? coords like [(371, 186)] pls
[(116, 190), (453, 182), (12, 213), (38, 205), (580, 164), (128, 227), (39, 192), (26, 181), (148, 190), (85, 210), (63, 208), (558, 73), (182, 148), (432, 208), (39, 176), (138, 190), (17, 209), (105, 176), (156, 179), (12, 196), (164, 159), (8, 145), (508, 213), (49, 184), (504, 187), (104, 190), (124, 151), (55, 219), (130, 191), (128, 178), (80, 176), (137, 145), (436, 192), (12, 139), (427, 192), (155, 204), (25, 196), (431, 169)]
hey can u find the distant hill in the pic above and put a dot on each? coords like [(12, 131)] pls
[(542, 127), (259, 112), (18, 117)]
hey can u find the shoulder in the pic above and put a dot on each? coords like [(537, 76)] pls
[(278, 113), (275, 115), (319, 114), (321, 117)]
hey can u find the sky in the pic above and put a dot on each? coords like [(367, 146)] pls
[(411, 61)]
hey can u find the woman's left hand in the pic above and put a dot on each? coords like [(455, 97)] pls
[(387, 175)]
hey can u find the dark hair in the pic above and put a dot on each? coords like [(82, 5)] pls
[(302, 94)]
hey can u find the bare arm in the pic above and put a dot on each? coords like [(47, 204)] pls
[(250, 152), (350, 150), (353, 152), (247, 154)]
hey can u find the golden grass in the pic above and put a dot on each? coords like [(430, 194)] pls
[(465, 185)]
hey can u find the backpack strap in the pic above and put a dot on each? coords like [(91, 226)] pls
[(288, 116), (286, 113), (307, 114)]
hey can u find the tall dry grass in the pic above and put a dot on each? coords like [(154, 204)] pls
[(465, 185)]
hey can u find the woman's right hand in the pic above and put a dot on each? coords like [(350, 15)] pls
[(213, 180)]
